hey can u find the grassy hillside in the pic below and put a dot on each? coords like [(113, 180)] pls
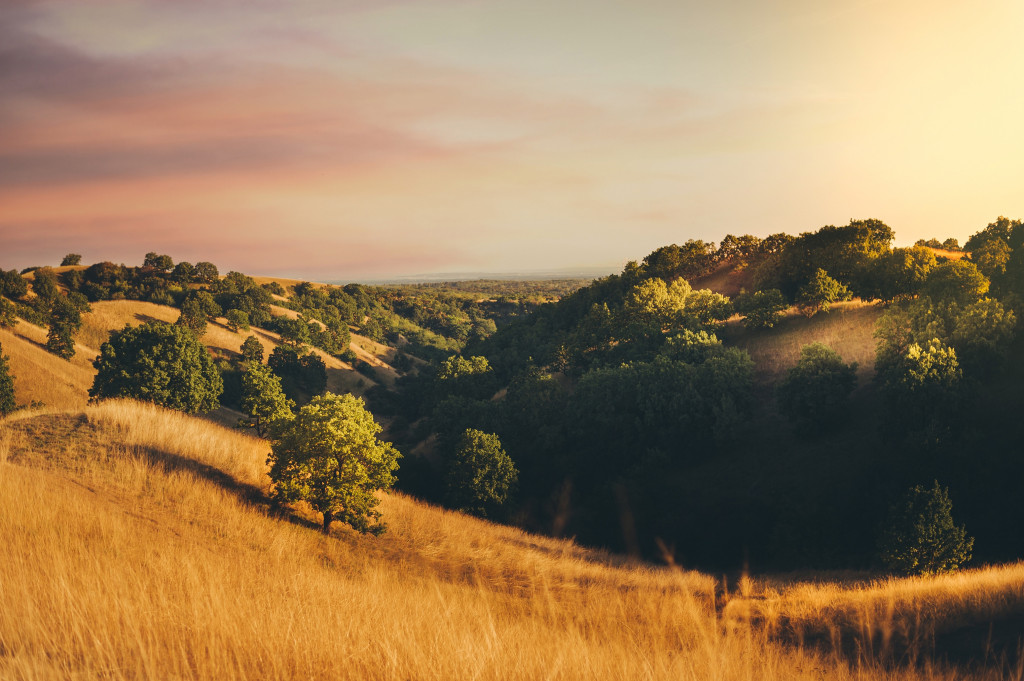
[(848, 328), (139, 544)]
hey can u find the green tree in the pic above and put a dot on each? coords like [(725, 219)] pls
[(8, 313), (991, 258), (921, 538), (159, 262), (921, 387), (252, 350), (262, 398), (956, 281), (899, 274), (12, 284), (469, 377), (65, 320), (480, 474), (196, 310), (192, 318), (44, 284), (7, 404), (815, 393), (302, 376), (71, 259), (819, 293), (761, 309), (183, 273), (206, 273), (159, 363), (294, 332), (237, 320), (329, 456)]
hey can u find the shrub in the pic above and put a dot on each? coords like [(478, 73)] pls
[(921, 537)]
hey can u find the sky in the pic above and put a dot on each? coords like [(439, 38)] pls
[(364, 139)]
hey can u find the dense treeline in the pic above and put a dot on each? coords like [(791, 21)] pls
[(634, 425)]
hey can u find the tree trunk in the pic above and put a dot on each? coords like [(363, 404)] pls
[(328, 517)]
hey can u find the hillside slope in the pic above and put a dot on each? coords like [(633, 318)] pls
[(139, 544)]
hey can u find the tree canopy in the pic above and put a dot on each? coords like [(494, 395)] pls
[(921, 537), (480, 474), (159, 363), (815, 393), (263, 399), (329, 456)]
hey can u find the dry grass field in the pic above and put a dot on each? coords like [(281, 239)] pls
[(847, 328), (40, 376), (114, 314), (138, 544)]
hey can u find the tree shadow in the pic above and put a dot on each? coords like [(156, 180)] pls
[(248, 494)]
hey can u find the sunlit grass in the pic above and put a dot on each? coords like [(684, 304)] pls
[(138, 544), (847, 328)]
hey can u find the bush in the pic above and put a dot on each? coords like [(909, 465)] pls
[(815, 393), (921, 538), (159, 363)]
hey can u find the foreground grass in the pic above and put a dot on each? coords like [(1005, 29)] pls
[(138, 544)]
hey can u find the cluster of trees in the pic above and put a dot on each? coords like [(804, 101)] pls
[(620, 401), (326, 453), (60, 312)]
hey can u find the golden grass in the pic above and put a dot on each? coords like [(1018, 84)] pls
[(40, 376), (373, 353), (107, 316), (137, 546), (847, 328), (951, 255)]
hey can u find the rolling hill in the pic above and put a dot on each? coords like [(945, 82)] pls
[(139, 543)]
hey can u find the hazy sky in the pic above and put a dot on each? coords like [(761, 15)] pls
[(354, 139)]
